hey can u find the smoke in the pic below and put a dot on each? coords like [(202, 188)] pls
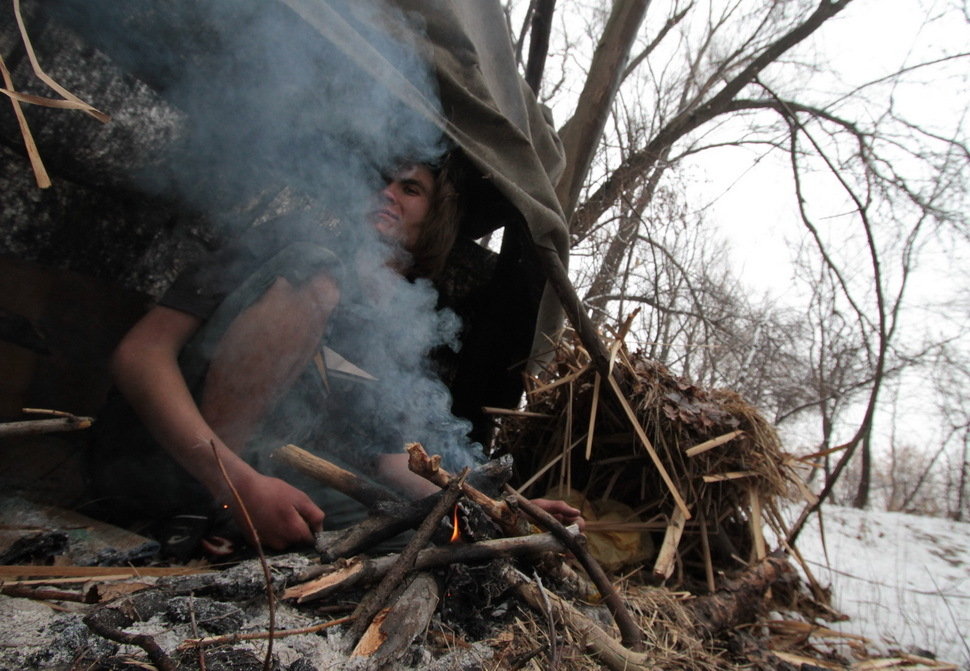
[(273, 106)]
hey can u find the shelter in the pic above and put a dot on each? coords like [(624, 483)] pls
[(196, 94)]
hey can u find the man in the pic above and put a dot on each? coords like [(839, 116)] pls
[(204, 378)]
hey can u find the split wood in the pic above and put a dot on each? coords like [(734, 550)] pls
[(393, 628), (666, 561), (430, 468), (325, 580), (375, 599)]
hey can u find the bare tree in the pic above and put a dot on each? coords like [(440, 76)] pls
[(665, 81)]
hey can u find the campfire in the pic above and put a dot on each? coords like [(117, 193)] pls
[(672, 569)]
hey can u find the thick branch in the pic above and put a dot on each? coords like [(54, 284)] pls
[(581, 134), (333, 476), (539, 43), (638, 162)]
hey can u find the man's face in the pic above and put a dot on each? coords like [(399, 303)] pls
[(404, 205)]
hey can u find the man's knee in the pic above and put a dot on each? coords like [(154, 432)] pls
[(313, 299)]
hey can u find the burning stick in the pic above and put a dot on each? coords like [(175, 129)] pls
[(429, 468)]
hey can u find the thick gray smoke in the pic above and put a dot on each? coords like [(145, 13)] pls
[(275, 108)]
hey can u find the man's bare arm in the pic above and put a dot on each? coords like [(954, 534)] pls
[(145, 367)]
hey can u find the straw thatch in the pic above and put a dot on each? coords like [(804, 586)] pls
[(689, 489)]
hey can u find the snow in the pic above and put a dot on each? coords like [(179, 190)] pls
[(903, 580)]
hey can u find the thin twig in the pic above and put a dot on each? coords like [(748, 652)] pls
[(195, 632), (229, 639), (270, 597), (551, 620)]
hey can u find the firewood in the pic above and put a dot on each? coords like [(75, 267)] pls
[(363, 569), (390, 520), (610, 651), (392, 631), (333, 476), (374, 601), (429, 467), (34, 426), (332, 545), (630, 632)]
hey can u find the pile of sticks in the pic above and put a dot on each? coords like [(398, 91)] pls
[(378, 632), (511, 516)]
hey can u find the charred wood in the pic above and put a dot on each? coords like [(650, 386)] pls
[(326, 580), (393, 629), (429, 467), (375, 600)]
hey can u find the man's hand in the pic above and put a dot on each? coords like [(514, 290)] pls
[(562, 511), (281, 514)]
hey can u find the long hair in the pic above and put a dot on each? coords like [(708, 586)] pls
[(437, 235)]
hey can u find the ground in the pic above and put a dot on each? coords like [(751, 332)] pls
[(903, 580)]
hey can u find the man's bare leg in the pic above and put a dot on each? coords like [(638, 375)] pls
[(263, 351)]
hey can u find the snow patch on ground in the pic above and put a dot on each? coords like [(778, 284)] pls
[(903, 580)]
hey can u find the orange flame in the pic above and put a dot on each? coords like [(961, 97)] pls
[(455, 531)]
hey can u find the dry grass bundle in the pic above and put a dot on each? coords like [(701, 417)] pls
[(691, 477)]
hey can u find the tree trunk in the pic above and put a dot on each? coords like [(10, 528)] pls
[(865, 473), (582, 133), (539, 43)]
